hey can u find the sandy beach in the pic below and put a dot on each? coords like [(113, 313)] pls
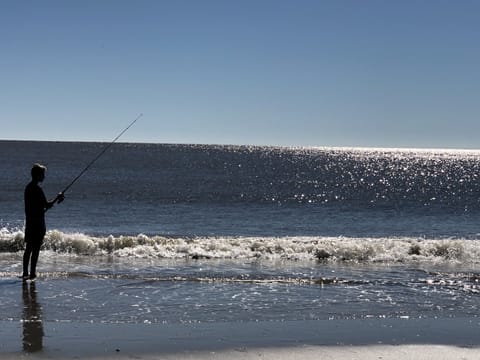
[(309, 352), (339, 339)]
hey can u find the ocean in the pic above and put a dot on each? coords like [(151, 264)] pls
[(164, 233)]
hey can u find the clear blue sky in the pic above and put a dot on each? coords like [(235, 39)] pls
[(272, 72)]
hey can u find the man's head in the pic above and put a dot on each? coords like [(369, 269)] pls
[(38, 172)]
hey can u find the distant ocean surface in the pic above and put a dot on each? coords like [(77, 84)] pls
[(156, 233)]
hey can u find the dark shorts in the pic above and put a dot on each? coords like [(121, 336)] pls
[(34, 235)]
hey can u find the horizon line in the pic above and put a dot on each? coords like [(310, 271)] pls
[(312, 147)]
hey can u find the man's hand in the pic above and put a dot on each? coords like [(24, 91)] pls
[(60, 197)]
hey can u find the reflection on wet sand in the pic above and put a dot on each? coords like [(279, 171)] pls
[(32, 319)]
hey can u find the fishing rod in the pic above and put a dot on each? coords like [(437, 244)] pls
[(100, 154)]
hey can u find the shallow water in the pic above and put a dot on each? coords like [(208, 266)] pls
[(106, 290)]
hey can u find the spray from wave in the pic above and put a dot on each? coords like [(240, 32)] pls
[(325, 249)]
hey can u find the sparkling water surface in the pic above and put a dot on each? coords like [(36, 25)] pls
[(197, 233)]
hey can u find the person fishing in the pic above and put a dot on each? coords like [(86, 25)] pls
[(36, 204)]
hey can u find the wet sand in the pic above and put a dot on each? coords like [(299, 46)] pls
[(337, 339)]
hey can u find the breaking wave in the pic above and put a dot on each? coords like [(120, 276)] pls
[(327, 249)]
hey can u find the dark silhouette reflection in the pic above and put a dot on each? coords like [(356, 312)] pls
[(32, 319)]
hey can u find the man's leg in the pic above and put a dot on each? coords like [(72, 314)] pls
[(33, 265), (26, 259)]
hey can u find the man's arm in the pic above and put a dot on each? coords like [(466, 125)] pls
[(60, 197)]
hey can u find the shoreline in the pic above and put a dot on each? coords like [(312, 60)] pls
[(336, 339)]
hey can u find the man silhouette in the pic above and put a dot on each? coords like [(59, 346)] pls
[(35, 206)]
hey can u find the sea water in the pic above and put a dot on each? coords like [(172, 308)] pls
[(159, 233)]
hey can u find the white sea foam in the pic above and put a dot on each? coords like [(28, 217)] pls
[(328, 249)]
